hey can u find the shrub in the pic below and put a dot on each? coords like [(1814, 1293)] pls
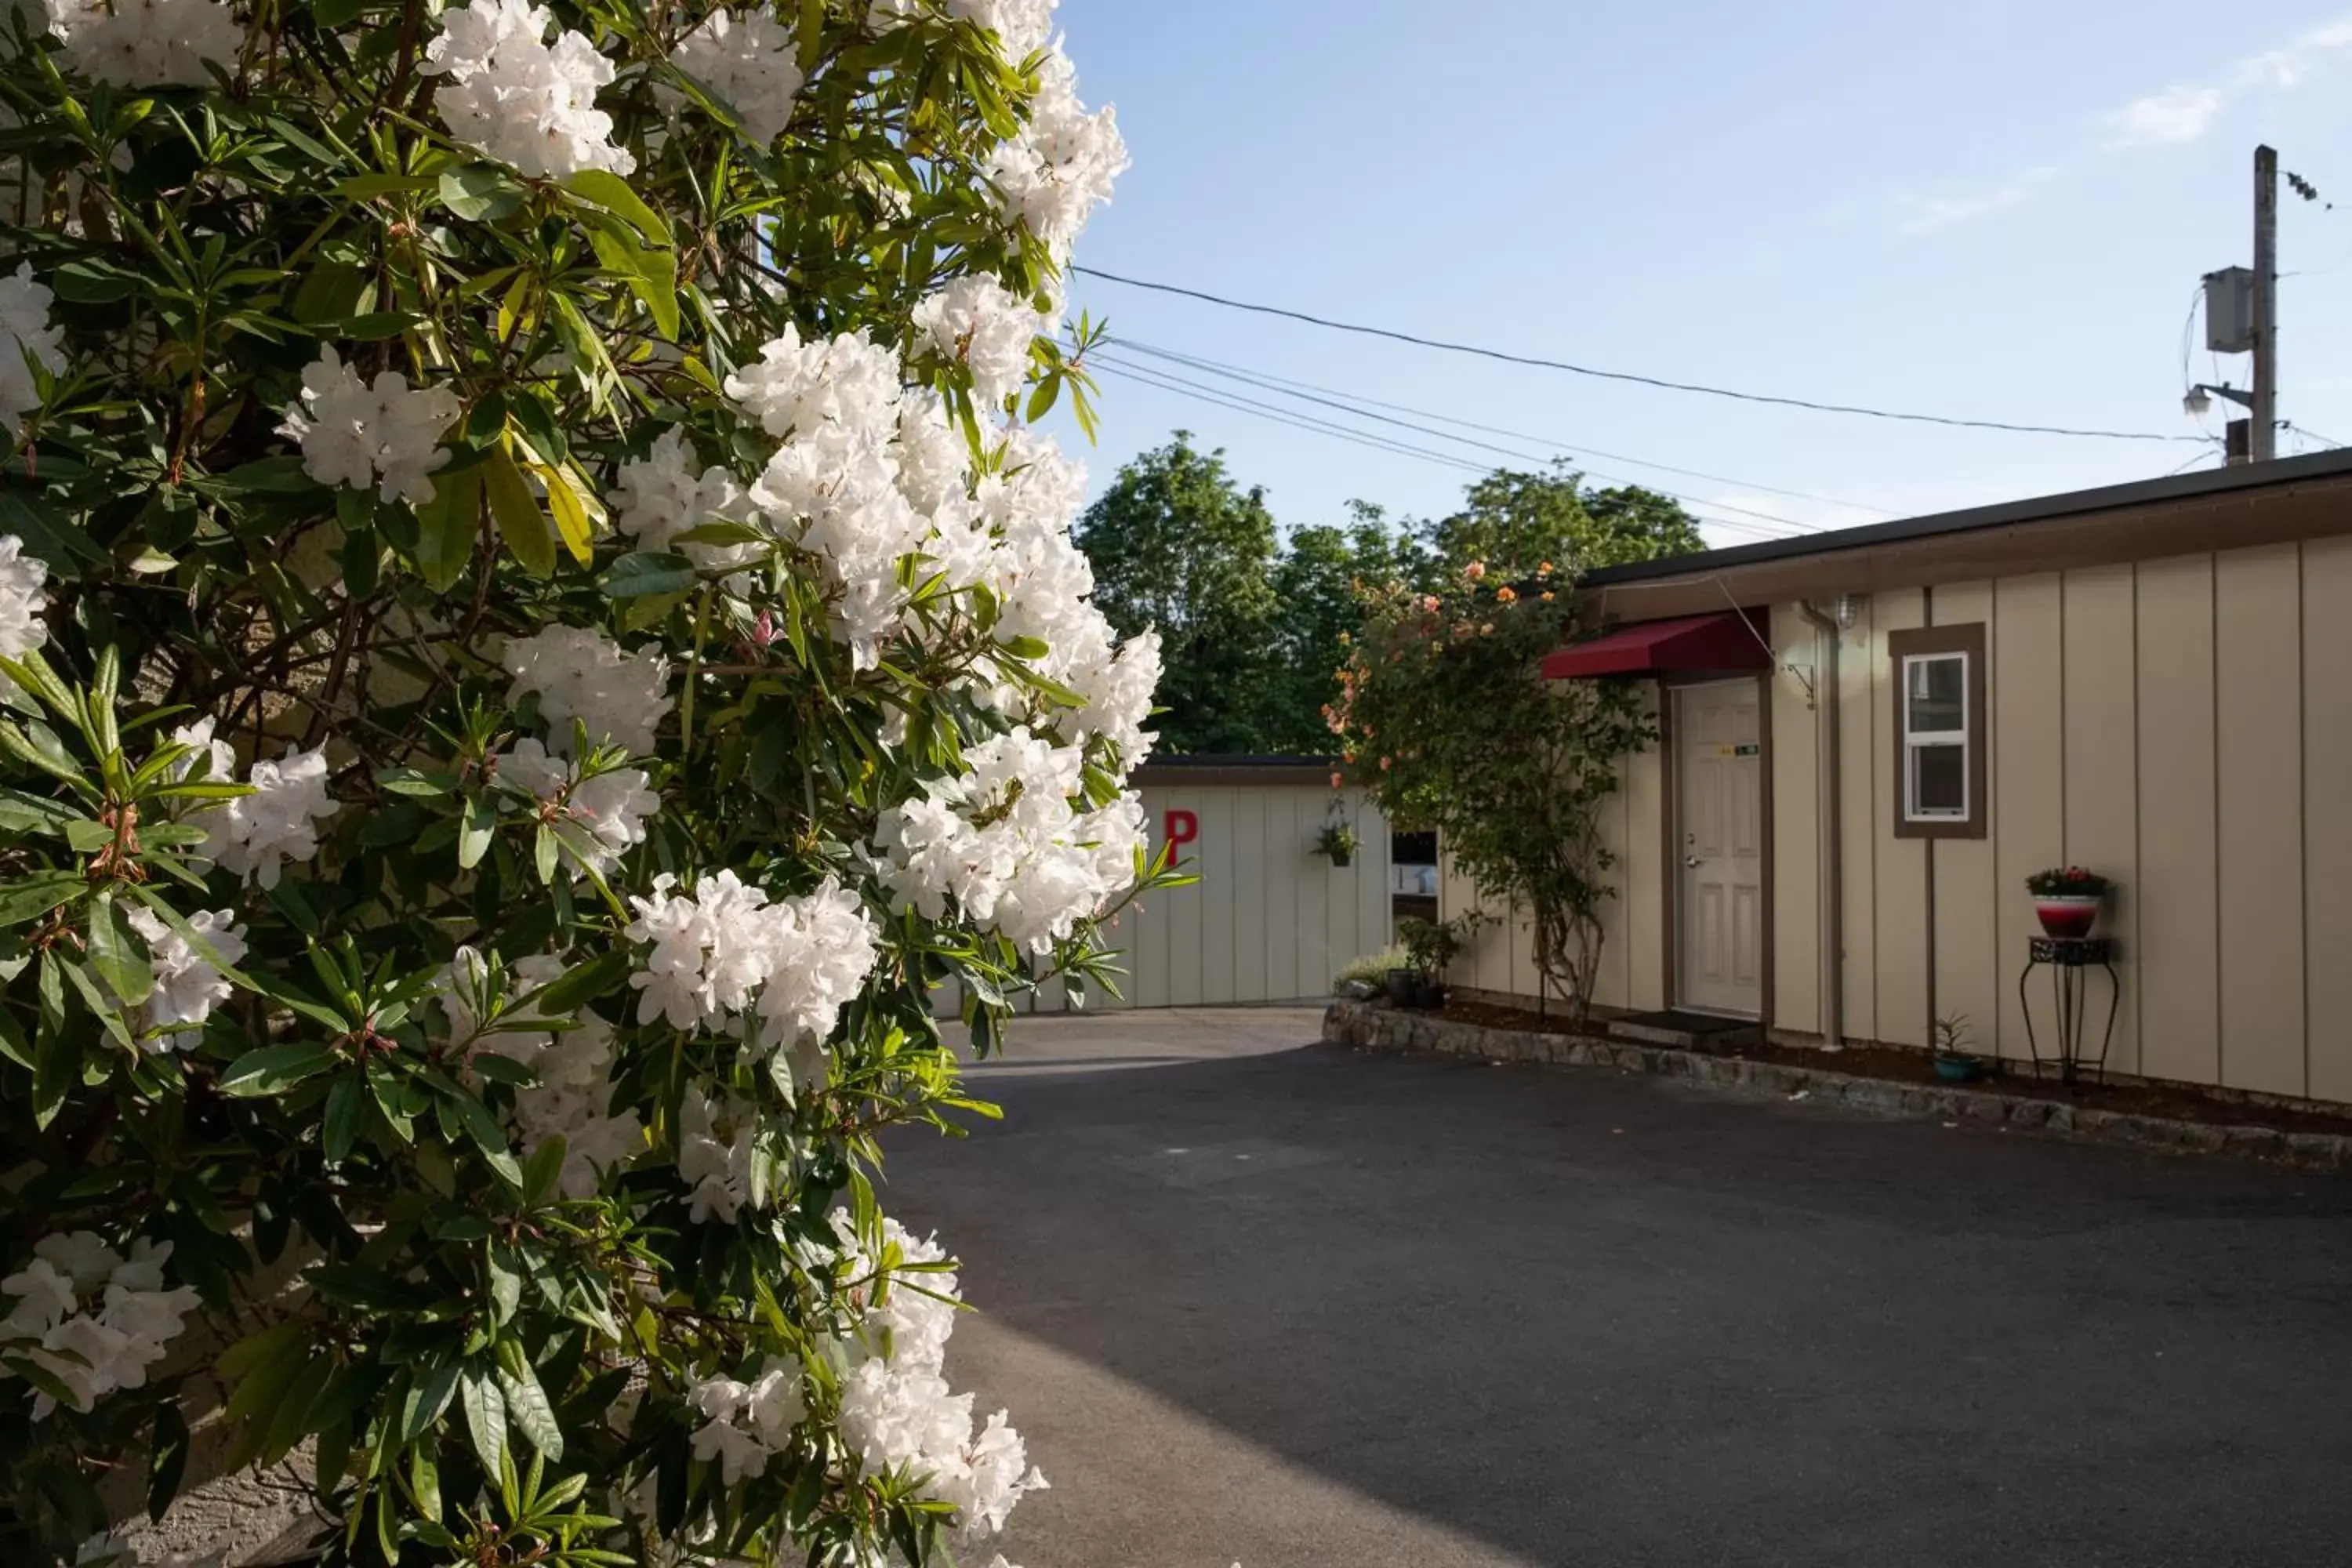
[(535, 638), (1371, 969)]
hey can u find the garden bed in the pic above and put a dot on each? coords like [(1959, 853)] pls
[(1889, 1080)]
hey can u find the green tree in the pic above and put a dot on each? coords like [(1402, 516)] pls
[(1177, 546), (1515, 521), (1318, 585)]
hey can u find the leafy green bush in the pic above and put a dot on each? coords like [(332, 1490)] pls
[(535, 639), (1372, 968)]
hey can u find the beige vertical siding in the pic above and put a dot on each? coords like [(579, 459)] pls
[(1967, 968), (2028, 719), (2176, 967), (2327, 825), (1902, 863), (2258, 736), (1861, 742), (1796, 826), (1269, 920), (1642, 881), (2102, 767)]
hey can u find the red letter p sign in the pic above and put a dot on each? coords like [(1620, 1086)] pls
[(1182, 827)]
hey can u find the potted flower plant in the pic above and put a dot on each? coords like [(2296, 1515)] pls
[(2066, 898), (1338, 840), (1954, 1062)]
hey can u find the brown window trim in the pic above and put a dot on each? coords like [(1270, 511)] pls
[(1968, 639)]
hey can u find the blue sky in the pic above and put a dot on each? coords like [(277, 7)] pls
[(1996, 211)]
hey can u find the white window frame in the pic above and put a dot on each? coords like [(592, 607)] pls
[(1916, 741)]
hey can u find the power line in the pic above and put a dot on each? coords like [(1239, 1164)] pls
[(1659, 381), (1379, 443), (1488, 445), (1272, 383)]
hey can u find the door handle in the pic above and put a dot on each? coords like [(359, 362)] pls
[(1692, 861)]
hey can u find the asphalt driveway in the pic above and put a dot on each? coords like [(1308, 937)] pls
[(1252, 1298)]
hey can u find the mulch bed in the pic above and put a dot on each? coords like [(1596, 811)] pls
[(1897, 1064)]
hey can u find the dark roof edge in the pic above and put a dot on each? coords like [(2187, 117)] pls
[(2037, 508)]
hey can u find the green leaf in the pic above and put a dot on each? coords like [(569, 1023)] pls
[(22, 813), (480, 193), (427, 782), (274, 1069), (167, 1458), (641, 573), (360, 186), (117, 954), (651, 272), (486, 1418), (476, 829), (36, 894), (520, 521), (280, 475), (506, 1285), (612, 192), (87, 280), (488, 1135), (542, 1172), (345, 1102), (446, 528), (527, 1405), (425, 1480), (371, 328), (427, 1398), (580, 984)]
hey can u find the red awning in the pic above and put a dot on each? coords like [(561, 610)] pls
[(1725, 641)]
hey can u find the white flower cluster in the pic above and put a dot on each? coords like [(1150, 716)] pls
[(661, 497), (574, 1066), (147, 43), (988, 328), (255, 835), (188, 981), (25, 330), (595, 820), (95, 1321), (1064, 162), (514, 99), (1005, 844), (717, 1140), (804, 956), (748, 61), (745, 1423), (356, 435), (23, 603), (1021, 26), (580, 673), (896, 1407)]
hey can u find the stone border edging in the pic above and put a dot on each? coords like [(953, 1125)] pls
[(1364, 1026)]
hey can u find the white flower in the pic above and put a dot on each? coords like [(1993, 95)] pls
[(988, 328), (745, 1424), (25, 330), (1021, 26), (518, 101), (661, 497), (582, 674), (90, 1348), (715, 1141), (708, 954), (595, 820), (278, 821), (147, 43), (188, 983), (748, 60), (22, 603), (796, 385), (1061, 164), (353, 435)]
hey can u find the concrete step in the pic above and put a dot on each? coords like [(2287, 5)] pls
[(1688, 1031)]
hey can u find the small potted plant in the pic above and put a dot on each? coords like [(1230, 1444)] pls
[(1338, 840), (1430, 947), (1955, 1063), (2066, 900)]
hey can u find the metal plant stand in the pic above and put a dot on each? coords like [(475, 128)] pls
[(2068, 959)]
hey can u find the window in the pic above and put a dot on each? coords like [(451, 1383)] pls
[(1940, 732)]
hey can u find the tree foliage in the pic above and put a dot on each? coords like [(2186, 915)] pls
[(523, 681)]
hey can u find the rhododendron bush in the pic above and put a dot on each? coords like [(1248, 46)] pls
[(537, 633)]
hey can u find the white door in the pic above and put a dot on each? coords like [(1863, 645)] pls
[(1719, 823)]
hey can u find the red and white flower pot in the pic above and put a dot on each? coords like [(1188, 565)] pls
[(2069, 915)]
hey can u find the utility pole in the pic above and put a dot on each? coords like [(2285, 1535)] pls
[(2265, 443)]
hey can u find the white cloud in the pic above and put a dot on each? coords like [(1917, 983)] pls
[(2176, 114), (1924, 214), (2286, 66)]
